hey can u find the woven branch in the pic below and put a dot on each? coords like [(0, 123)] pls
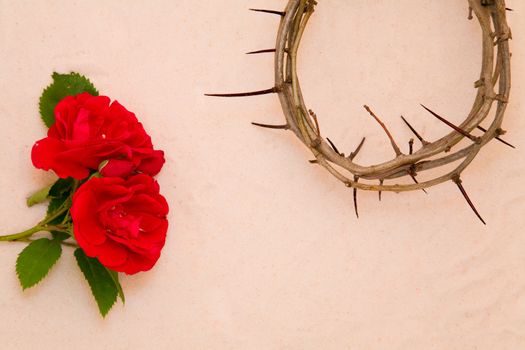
[(298, 119), (493, 87)]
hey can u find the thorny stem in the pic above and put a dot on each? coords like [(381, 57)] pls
[(494, 85), (292, 27)]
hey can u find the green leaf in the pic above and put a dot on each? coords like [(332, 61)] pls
[(39, 196), (60, 236), (100, 281), (114, 276), (53, 206), (59, 194), (63, 85), (35, 261), (61, 187)]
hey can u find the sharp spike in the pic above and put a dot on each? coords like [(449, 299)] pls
[(358, 149), (261, 51), (456, 128), (415, 180), (381, 182), (356, 179), (392, 141), (333, 146), (411, 146), (273, 12), (247, 94), (459, 183), (268, 126), (314, 117), (419, 137), (497, 138)]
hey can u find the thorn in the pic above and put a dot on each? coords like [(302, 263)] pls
[(411, 146), (459, 183), (456, 128), (356, 179), (247, 94), (498, 138), (267, 126), (419, 137), (479, 83), (280, 13), (261, 51), (501, 98), (508, 9), (333, 146), (357, 150), (314, 161), (314, 117), (392, 141), (415, 180), (381, 192)]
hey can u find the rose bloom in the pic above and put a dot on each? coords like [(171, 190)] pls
[(121, 222), (89, 130)]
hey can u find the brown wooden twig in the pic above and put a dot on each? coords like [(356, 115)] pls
[(493, 87), (392, 141)]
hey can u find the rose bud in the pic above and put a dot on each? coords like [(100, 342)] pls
[(121, 222)]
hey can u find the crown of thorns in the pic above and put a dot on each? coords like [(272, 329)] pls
[(493, 88)]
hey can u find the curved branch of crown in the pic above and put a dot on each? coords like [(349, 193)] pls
[(493, 88)]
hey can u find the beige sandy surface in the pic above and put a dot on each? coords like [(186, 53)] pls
[(264, 251)]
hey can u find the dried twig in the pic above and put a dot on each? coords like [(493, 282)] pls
[(392, 141), (493, 87)]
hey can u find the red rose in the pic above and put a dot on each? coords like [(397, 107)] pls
[(121, 222), (88, 130)]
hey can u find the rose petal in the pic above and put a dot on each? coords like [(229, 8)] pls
[(121, 221), (85, 226), (88, 130), (117, 168), (111, 254), (152, 164)]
